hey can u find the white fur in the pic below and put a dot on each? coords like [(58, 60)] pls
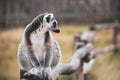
[(38, 45), (48, 25)]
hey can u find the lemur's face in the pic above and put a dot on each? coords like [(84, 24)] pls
[(50, 22)]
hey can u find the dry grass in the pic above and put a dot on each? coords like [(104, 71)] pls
[(107, 66), (9, 41)]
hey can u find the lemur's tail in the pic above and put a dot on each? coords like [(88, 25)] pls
[(35, 24)]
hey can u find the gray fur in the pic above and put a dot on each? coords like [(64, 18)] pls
[(38, 52)]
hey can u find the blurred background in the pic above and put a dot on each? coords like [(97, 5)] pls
[(73, 16)]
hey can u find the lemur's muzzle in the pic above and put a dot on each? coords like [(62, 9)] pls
[(57, 31), (55, 28)]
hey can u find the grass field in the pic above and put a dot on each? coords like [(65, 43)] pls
[(106, 67)]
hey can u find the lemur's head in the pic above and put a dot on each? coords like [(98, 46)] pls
[(50, 23), (41, 24)]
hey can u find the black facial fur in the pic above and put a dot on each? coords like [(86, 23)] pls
[(54, 24), (34, 25), (48, 18)]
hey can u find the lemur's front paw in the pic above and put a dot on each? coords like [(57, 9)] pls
[(46, 73), (36, 71)]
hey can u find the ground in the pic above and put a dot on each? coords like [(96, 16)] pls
[(106, 67)]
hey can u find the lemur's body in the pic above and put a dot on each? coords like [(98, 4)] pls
[(38, 49)]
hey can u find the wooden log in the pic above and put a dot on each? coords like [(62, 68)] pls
[(73, 65)]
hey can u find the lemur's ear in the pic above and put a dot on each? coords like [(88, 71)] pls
[(48, 18)]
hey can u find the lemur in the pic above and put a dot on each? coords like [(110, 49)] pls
[(38, 52)]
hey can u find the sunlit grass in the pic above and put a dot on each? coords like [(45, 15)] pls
[(107, 66)]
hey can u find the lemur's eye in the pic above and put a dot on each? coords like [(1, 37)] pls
[(48, 18), (54, 24)]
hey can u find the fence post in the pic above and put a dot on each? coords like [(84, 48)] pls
[(116, 31)]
